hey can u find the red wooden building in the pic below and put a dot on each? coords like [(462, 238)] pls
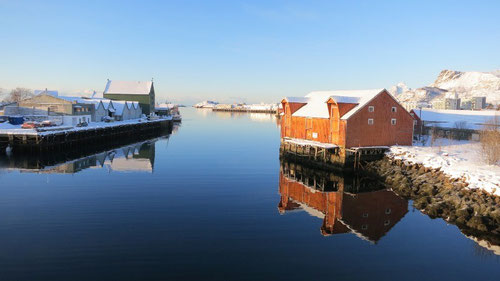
[(348, 119)]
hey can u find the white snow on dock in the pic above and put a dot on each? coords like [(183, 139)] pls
[(7, 128), (460, 159), (311, 143)]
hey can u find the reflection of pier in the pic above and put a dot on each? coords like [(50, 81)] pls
[(133, 157), (345, 203)]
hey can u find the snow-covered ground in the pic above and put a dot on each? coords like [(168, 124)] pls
[(457, 159), (466, 119)]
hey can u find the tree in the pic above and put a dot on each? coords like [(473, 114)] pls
[(18, 94), (490, 141)]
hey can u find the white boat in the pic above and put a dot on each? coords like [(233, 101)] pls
[(177, 118)]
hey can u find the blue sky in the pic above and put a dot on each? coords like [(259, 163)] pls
[(248, 50)]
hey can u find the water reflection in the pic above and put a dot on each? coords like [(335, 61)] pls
[(136, 157), (346, 204)]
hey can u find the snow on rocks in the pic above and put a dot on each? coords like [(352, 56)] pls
[(460, 160)]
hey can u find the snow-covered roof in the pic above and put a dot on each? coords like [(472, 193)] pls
[(119, 106), (107, 103), (135, 104), (316, 106), (128, 87), (96, 102), (297, 99), (96, 95), (75, 99), (46, 92)]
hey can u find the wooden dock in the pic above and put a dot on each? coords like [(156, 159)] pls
[(30, 140), (329, 156)]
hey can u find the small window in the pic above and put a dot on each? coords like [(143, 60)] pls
[(393, 109), (365, 215), (387, 222), (371, 108), (364, 226), (370, 121), (393, 121), (388, 211)]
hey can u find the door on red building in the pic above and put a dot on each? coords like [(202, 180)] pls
[(309, 127)]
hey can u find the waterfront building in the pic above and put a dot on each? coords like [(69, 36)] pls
[(126, 110), (347, 119), (133, 91), (47, 104)]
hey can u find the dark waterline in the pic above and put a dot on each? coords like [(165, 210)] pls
[(211, 202)]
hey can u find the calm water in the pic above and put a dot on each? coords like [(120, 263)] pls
[(210, 202)]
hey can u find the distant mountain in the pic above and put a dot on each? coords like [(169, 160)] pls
[(465, 84)]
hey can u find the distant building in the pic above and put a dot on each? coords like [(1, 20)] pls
[(409, 105), (140, 91), (46, 104), (206, 104), (53, 93), (447, 103), (478, 103), (466, 105)]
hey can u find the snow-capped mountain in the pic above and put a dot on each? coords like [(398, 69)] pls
[(465, 84), (399, 89)]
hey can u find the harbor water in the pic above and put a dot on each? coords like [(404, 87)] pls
[(212, 201)]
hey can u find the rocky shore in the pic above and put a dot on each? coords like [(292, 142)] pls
[(474, 211)]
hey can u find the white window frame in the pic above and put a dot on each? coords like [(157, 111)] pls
[(371, 108), (393, 121), (370, 121), (394, 109)]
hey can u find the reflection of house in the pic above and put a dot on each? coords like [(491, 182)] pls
[(139, 157), (132, 158), (142, 92), (347, 119), (369, 215)]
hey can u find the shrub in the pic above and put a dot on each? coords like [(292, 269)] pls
[(490, 141)]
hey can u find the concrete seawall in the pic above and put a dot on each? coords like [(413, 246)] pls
[(30, 141)]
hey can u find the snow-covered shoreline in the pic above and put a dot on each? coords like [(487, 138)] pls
[(458, 160)]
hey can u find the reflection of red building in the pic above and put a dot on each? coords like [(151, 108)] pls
[(369, 215)]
